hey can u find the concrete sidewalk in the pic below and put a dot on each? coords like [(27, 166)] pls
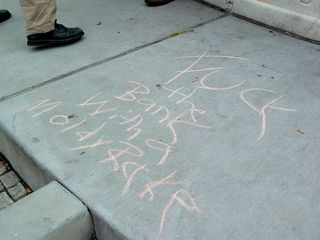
[(209, 134), (112, 28)]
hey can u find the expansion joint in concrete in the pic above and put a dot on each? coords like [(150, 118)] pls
[(80, 200), (103, 61)]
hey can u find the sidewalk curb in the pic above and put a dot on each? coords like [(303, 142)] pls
[(299, 21), (33, 174), (50, 213)]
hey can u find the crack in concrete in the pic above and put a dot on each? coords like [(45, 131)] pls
[(109, 59)]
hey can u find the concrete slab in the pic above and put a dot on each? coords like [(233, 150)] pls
[(211, 134), (49, 213), (111, 27), (298, 17)]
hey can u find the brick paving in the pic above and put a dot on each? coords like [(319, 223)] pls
[(12, 187)]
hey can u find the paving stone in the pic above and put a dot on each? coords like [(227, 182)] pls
[(9, 179), (1, 187), (5, 200), (3, 167), (17, 192)]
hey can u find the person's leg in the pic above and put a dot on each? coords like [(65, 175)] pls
[(40, 15), (153, 3), (41, 26), (4, 15)]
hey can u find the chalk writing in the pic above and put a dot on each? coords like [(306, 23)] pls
[(180, 119), (100, 104), (262, 110), (188, 69), (127, 155), (210, 71), (115, 154), (83, 135), (74, 126), (101, 141), (205, 55), (130, 177), (130, 94), (203, 85), (149, 188), (188, 203), (160, 146), (136, 120), (59, 120), (43, 106)]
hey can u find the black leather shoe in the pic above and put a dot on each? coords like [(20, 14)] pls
[(4, 15), (154, 3), (60, 35)]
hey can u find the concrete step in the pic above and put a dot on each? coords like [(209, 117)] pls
[(51, 213)]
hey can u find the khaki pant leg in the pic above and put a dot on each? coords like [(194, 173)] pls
[(40, 15)]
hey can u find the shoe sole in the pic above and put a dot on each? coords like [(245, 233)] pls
[(48, 42), (5, 18), (157, 4)]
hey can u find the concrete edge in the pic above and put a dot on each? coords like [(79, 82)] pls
[(50, 213), (37, 177), (285, 19), (34, 175), (282, 20)]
